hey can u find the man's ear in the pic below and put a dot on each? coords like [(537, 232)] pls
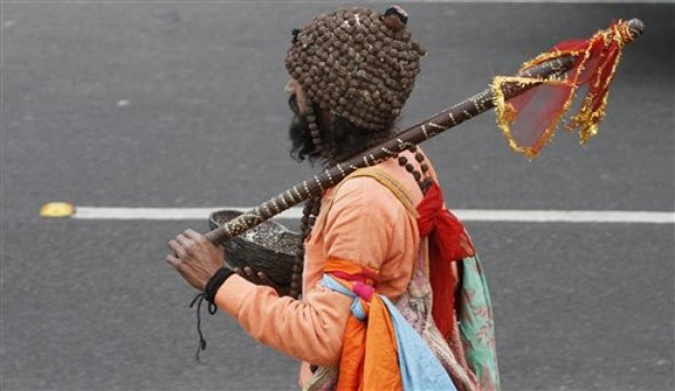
[(327, 118)]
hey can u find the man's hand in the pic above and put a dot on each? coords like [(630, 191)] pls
[(195, 258)]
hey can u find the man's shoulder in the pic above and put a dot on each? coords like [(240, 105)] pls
[(362, 187), (383, 183), (378, 187)]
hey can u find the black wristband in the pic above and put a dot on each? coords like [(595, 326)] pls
[(215, 283)]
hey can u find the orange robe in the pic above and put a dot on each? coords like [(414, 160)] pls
[(366, 224)]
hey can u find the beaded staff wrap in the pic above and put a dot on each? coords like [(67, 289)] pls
[(423, 131), (357, 63)]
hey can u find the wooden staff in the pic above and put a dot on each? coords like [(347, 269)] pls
[(439, 123)]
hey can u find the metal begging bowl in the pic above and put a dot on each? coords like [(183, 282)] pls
[(269, 247)]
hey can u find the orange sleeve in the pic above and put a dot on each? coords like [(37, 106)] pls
[(358, 228), (310, 330)]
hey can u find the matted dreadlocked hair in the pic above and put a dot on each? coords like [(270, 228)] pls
[(340, 138), (357, 67)]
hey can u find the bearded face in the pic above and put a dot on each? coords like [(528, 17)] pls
[(301, 140)]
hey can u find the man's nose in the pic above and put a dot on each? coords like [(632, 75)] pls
[(290, 87)]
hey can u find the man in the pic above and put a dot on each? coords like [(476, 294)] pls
[(365, 240)]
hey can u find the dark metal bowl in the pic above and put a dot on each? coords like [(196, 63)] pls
[(269, 248)]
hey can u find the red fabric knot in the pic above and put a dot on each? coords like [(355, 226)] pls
[(442, 226), (363, 283), (448, 242), (366, 278), (364, 291)]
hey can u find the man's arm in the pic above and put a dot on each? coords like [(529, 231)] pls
[(360, 228), (310, 330)]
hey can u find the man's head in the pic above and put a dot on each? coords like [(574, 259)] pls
[(351, 71)]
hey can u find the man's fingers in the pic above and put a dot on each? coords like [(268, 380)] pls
[(183, 240), (251, 275), (177, 248), (173, 261), (192, 234), (267, 281)]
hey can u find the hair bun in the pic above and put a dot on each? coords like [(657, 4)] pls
[(395, 18)]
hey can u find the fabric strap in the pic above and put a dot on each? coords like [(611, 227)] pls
[(448, 242), (474, 306)]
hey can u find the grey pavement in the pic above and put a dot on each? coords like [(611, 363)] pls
[(162, 104)]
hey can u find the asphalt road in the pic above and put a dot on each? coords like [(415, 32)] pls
[(164, 104)]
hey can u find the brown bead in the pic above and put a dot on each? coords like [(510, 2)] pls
[(419, 157), (424, 168), (296, 277), (412, 149), (409, 167), (417, 175), (402, 161), (351, 47)]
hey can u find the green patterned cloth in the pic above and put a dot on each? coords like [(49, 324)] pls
[(477, 326)]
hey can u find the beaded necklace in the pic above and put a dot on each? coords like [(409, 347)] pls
[(312, 206)]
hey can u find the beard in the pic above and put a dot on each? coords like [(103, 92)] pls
[(342, 138), (302, 146)]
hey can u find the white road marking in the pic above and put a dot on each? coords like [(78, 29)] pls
[(489, 215), (516, 1)]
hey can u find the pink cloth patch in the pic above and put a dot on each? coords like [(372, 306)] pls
[(364, 291)]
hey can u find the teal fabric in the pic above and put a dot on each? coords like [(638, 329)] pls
[(477, 325)]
